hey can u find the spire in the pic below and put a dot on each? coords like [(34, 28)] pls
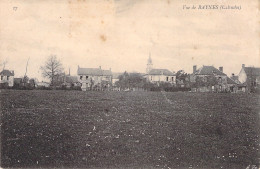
[(149, 64), (150, 59)]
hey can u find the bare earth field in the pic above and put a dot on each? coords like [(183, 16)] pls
[(129, 129)]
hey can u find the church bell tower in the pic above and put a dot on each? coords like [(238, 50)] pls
[(149, 64)]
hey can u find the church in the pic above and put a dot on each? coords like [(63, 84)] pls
[(159, 75)]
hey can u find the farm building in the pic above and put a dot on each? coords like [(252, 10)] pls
[(249, 77), (159, 75), (94, 78), (7, 77), (211, 79)]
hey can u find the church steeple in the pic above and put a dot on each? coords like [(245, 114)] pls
[(149, 64)]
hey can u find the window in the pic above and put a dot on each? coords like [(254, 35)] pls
[(86, 77), (151, 78), (80, 77), (2, 77), (7, 77), (220, 79), (167, 78), (172, 78)]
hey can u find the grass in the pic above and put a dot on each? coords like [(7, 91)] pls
[(129, 129)]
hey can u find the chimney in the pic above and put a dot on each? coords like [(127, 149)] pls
[(194, 69), (221, 69), (243, 65)]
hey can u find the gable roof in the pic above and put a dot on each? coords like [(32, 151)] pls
[(230, 81), (7, 73), (252, 71), (161, 72), (235, 79), (208, 70), (107, 73), (94, 72)]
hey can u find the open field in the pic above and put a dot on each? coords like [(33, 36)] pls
[(129, 129)]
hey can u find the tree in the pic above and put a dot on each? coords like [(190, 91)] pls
[(211, 81), (132, 80), (182, 78), (52, 68)]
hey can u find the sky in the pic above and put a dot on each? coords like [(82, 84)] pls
[(120, 34)]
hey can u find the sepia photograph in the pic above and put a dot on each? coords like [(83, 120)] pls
[(130, 84)]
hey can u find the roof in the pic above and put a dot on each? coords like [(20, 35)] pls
[(209, 70), (252, 71), (107, 73), (71, 79), (161, 72), (235, 79), (7, 73), (230, 81), (116, 75), (94, 72)]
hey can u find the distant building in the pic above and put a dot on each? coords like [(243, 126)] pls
[(159, 75), (223, 82), (249, 77), (7, 76), (94, 78)]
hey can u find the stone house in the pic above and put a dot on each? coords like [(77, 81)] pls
[(159, 75), (249, 77), (222, 82), (94, 78), (7, 76)]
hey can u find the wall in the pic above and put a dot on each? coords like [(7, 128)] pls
[(10, 81), (242, 76), (161, 78)]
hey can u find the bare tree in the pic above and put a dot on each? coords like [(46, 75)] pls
[(52, 68)]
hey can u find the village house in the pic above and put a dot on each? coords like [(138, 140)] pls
[(94, 78), (7, 77), (220, 82), (159, 75), (249, 77), (239, 86)]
